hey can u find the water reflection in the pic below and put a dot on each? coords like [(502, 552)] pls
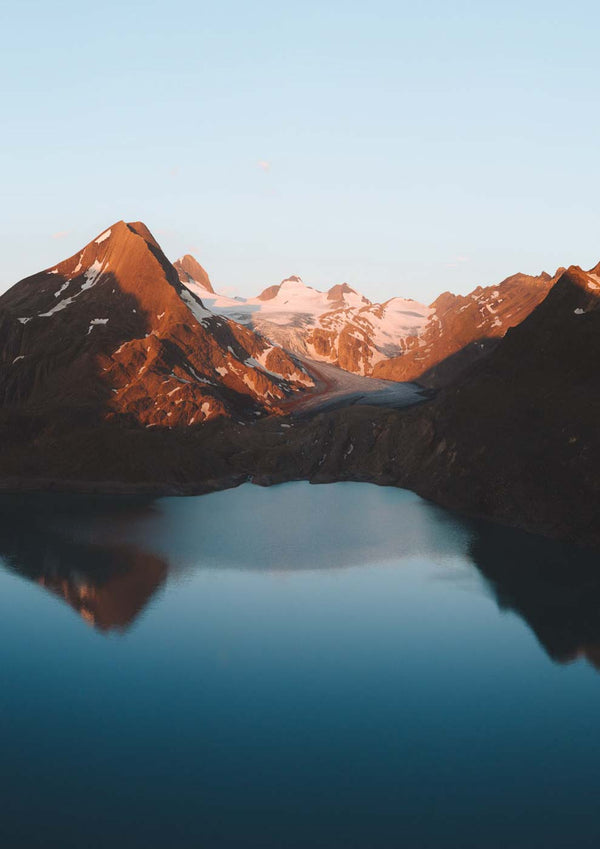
[(107, 584), (553, 586), (108, 557)]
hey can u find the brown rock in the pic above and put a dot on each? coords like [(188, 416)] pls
[(189, 269)]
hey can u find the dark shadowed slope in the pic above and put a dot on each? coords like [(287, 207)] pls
[(517, 437), (462, 329), (112, 331)]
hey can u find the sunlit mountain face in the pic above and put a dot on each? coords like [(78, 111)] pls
[(112, 333), (398, 339)]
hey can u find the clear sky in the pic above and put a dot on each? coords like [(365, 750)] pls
[(404, 147)]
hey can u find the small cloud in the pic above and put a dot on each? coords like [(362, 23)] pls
[(264, 165), (457, 261), (61, 234)]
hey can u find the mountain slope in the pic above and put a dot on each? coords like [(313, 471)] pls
[(400, 339), (358, 338), (462, 329), (340, 326), (516, 437), (112, 332)]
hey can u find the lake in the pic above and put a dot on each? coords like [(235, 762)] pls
[(301, 666)]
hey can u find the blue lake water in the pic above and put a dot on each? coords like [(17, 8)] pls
[(335, 666)]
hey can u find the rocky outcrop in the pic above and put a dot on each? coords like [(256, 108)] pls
[(358, 338), (190, 271)]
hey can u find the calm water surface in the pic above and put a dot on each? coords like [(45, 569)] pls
[(335, 666)]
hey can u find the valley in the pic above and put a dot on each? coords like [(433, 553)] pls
[(122, 372)]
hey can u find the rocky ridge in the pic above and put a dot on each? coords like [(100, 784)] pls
[(340, 327), (462, 329), (399, 339)]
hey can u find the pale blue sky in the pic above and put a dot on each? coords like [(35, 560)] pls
[(406, 148)]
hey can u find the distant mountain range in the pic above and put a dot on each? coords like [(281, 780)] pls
[(399, 339), (122, 372)]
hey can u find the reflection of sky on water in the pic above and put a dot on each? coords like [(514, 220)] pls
[(269, 696)]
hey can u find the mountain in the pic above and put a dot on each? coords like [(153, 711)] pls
[(109, 339), (400, 339), (358, 338), (112, 332), (190, 271), (516, 437), (340, 326), (461, 329)]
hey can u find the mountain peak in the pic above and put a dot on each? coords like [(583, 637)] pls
[(338, 291), (346, 294), (113, 332), (272, 291), (190, 270)]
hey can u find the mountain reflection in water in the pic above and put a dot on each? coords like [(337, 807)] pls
[(109, 556), (107, 584)]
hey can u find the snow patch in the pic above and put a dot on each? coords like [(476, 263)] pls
[(61, 305), (199, 312), (96, 321), (593, 281), (62, 289), (103, 237), (92, 275)]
